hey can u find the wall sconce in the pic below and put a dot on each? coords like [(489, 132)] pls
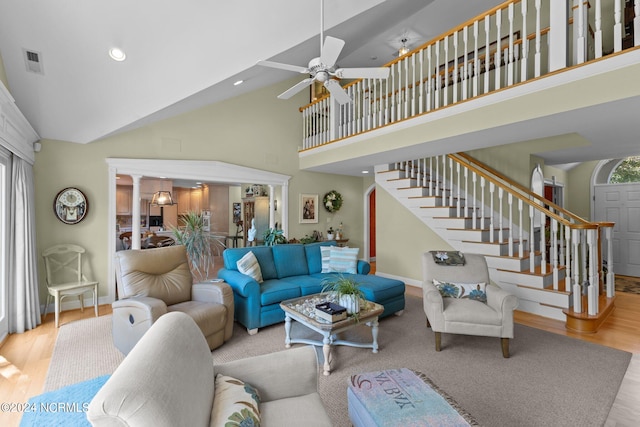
[(162, 198)]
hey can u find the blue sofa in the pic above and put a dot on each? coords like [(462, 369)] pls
[(290, 271)]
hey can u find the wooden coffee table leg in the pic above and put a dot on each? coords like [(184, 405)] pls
[(287, 331), (326, 350)]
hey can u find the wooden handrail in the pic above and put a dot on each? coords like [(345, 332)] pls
[(523, 188), (477, 168)]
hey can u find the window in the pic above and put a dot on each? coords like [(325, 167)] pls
[(628, 170)]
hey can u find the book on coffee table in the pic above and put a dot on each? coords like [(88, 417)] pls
[(331, 312)]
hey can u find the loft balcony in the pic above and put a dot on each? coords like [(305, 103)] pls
[(524, 70)]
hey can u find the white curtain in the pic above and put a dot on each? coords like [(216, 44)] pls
[(24, 301)]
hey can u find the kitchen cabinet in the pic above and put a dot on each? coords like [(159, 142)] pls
[(123, 200), (191, 199), (183, 198), (256, 208)]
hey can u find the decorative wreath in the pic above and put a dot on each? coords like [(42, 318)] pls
[(332, 201)]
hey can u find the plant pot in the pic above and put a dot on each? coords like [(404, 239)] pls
[(350, 302), (329, 236)]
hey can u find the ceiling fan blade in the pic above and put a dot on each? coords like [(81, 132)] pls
[(362, 73), (295, 89), (337, 92), (296, 68), (331, 51)]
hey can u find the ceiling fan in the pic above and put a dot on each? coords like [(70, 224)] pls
[(322, 68)]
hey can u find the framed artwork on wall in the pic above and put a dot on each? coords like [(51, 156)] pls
[(308, 208)]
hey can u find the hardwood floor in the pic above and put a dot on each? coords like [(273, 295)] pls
[(25, 358)]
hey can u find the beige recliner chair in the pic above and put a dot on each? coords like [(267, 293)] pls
[(152, 282), (463, 315)]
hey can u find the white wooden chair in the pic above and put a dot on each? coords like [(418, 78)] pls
[(64, 277)]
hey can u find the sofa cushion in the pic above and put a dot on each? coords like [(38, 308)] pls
[(264, 254), (314, 259), (275, 291), (308, 284), (248, 265), (290, 260), (235, 403), (344, 260)]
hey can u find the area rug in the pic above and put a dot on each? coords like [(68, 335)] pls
[(549, 380), (628, 284)]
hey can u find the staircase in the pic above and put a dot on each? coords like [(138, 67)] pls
[(477, 210)]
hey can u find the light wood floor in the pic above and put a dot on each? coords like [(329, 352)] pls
[(25, 358)]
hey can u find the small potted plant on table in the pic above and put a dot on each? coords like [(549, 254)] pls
[(346, 290)]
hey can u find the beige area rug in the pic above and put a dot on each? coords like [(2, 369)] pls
[(549, 380), (83, 350)]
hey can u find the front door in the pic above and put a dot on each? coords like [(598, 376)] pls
[(620, 203)]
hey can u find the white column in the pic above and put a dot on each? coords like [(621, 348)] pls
[(559, 16), (135, 212), (285, 208), (272, 208)]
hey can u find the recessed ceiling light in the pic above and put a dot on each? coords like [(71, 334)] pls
[(239, 82), (365, 172), (117, 54)]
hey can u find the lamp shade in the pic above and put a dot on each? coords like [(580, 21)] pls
[(162, 198)]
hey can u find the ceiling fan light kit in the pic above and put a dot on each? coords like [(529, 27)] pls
[(322, 69)]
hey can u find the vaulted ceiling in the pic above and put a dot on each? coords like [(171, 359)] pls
[(187, 54)]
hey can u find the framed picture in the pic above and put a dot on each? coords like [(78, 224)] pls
[(308, 208), (237, 211)]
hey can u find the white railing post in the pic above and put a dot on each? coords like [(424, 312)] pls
[(617, 27), (597, 36), (558, 18), (334, 118), (579, 32), (577, 289), (532, 265), (636, 23), (611, 279)]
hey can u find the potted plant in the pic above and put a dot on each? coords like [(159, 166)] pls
[(197, 241), (346, 290), (274, 236), (330, 233)]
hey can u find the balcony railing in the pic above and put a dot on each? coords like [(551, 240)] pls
[(511, 44)]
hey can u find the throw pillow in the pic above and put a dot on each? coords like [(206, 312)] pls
[(234, 403), (448, 257), (474, 291), (344, 260), (325, 255), (248, 265)]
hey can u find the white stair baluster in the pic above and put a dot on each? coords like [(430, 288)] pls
[(538, 55), (510, 203), (487, 53), (532, 264), (476, 60), (525, 43), (617, 27), (492, 188), (554, 251), (597, 36), (510, 61)]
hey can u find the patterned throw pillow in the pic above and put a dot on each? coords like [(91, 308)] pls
[(344, 260), (235, 403), (248, 265), (474, 291)]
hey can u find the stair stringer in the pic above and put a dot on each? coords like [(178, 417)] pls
[(534, 292)]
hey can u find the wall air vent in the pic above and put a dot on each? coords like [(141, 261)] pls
[(33, 60)]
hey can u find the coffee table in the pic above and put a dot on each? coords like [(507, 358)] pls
[(302, 310)]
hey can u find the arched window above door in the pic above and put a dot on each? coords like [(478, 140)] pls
[(628, 170)]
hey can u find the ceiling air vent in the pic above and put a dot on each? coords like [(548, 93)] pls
[(33, 60)]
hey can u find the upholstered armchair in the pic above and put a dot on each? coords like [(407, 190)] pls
[(460, 313), (153, 282)]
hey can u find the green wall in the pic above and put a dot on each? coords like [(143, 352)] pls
[(253, 130)]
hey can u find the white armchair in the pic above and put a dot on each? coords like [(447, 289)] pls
[(463, 315)]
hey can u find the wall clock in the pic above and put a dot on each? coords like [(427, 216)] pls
[(71, 205)]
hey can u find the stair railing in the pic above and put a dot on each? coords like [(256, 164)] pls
[(513, 43), (563, 241)]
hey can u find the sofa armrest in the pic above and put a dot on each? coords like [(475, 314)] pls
[(278, 375), (220, 293), (240, 283), (433, 305), (132, 318), (501, 301), (141, 308), (363, 267)]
